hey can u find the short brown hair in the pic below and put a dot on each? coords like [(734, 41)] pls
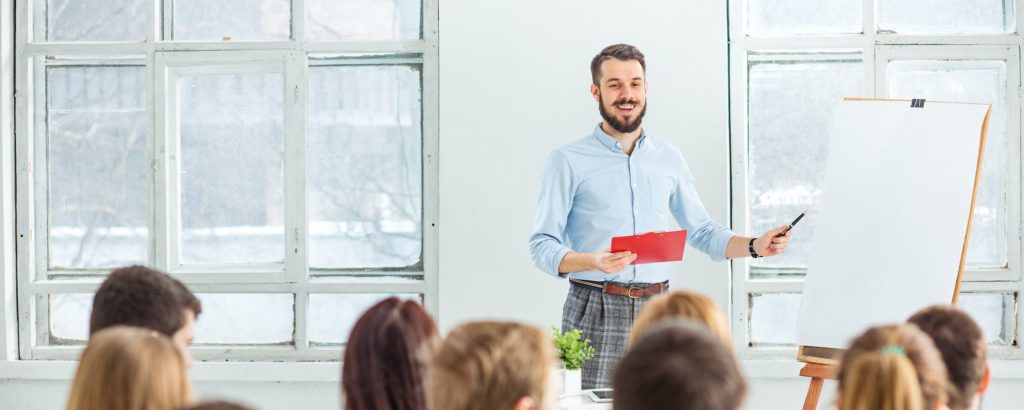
[(129, 368), (142, 297), (682, 304), (385, 357), (622, 52), (678, 363), (963, 348), (490, 365), (891, 367)]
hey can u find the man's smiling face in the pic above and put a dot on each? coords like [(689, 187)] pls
[(621, 94)]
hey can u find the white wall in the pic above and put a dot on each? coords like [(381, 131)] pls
[(514, 85), (515, 82)]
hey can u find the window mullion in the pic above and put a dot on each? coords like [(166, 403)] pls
[(166, 20), (39, 232), (296, 232), (164, 113), (298, 25)]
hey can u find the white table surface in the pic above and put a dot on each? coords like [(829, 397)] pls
[(579, 402)]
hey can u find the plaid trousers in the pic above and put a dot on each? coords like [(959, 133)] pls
[(605, 320)]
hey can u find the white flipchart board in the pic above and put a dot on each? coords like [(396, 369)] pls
[(893, 223)]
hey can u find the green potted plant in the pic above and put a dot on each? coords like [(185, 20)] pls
[(573, 350)]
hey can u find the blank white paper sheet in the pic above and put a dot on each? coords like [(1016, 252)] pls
[(893, 216)]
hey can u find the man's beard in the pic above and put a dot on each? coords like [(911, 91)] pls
[(619, 125)]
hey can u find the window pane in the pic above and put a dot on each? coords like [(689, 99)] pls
[(362, 19), (331, 316), (96, 147), (69, 318), (791, 98), (96, 20), (994, 313), (773, 319), (945, 16), (244, 318), (969, 81), (803, 17), (365, 167), (232, 156), (232, 20)]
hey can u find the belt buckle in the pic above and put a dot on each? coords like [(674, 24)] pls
[(629, 292)]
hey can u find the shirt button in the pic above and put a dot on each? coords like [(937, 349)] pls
[(636, 212)]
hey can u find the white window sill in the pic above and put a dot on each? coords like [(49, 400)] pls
[(307, 372), (789, 369), (330, 372)]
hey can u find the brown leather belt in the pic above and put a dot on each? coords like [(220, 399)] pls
[(634, 291)]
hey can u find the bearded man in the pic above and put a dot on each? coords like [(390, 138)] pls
[(619, 181)]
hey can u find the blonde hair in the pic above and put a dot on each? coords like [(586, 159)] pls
[(490, 365), (127, 368), (682, 304), (893, 367)]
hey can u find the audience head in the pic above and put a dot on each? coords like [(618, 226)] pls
[(964, 350), (217, 405), (494, 366), (128, 368), (678, 364), (894, 367), (682, 304), (146, 298), (385, 358)]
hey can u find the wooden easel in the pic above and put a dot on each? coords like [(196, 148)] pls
[(823, 363), (818, 373)]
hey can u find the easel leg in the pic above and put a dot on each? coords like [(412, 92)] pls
[(813, 393)]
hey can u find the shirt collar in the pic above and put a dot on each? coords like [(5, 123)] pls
[(613, 144)]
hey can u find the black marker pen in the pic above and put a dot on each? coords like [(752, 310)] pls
[(791, 225)]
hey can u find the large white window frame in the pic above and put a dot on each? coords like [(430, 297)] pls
[(877, 50), (164, 60)]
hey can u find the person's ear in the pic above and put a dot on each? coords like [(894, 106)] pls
[(985, 380), (524, 403), (596, 92)]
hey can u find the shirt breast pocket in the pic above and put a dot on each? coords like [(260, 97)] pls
[(661, 187)]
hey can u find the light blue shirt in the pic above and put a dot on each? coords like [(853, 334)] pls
[(592, 191)]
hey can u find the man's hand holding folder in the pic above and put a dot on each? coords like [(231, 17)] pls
[(652, 247)]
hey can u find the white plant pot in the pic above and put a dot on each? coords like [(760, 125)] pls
[(572, 382)]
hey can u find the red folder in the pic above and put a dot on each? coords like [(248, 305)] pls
[(652, 247)]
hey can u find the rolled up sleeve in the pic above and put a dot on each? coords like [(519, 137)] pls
[(703, 232), (547, 243)]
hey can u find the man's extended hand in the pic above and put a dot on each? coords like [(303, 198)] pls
[(771, 244), (604, 261), (608, 262)]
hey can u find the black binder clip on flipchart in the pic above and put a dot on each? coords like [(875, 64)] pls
[(917, 103)]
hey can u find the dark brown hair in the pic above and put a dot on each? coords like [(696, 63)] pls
[(623, 52), (962, 346), (678, 363), (217, 405), (142, 297), (386, 355)]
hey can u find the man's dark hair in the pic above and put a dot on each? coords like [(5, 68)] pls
[(678, 364), (217, 405), (963, 348), (623, 52), (142, 297)]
